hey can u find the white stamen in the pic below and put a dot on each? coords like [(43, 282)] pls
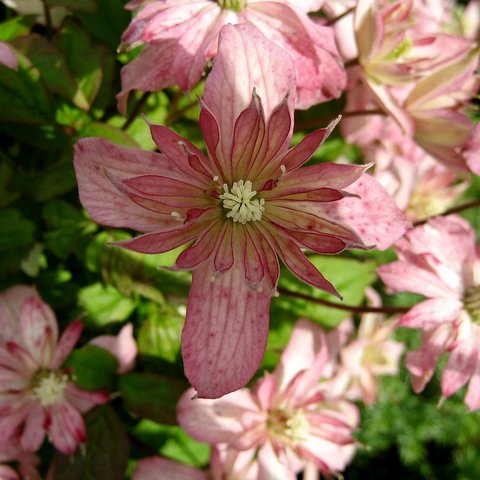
[(239, 201), (215, 178), (283, 169), (50, 387)]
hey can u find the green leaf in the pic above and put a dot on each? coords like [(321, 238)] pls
[(6, 174), (152, 396), (160, 333), (172, 442), (16, 27), (350, 277), (17, 231), (23, 98), (106, 452), (108, 22), (109, 132), (83, 58), (51, 63), (104, 304), (94, 368)]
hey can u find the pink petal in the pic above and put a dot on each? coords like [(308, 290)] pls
[(472, 398), (225, 332), (220, 420), (271, 466), (39, 330), (83, 400), (8, 473), (122, 346), (7, 56), (152, 468), (429, 313), (10, 302), (246, 60), (67, 341), (374, 216), (151, 71), (34, 430), (106, 204), (67, 429)]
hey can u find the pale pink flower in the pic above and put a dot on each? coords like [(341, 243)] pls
[(284, 422), (440, 261), (37, 397), (158, 468), (11, 451), (122, 346), (370, 354), (7, 56), (243, 204), (182, 35)]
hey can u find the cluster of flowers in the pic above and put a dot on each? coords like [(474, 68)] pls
[(407, 69)]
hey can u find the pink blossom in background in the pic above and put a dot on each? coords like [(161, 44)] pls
[(37, 397), (11, 451), (369, 354), (7, 56), (158, 468), (181, 36), (122, 346), (440, 261), (283, 423), (243, 204)]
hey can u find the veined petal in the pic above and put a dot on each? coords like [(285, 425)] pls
[(151, 71), (67, 429), (240, 66), (266, 250), (225, 331), (82, 400), (431, 312), (67, 341), (39, 330), (319, 242), (93, 157), (34, 430), (252, 258), (211, 135)]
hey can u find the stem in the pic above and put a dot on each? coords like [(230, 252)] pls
[(48, 19), (351, 63), (176, 114), (460, 208), (340, 306), (136, 110), (322, 121), (339, 17)]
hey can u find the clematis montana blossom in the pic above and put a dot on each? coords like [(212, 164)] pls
[(243, 204), (283, 423), (37, 397), (182, 35), (440, 261)]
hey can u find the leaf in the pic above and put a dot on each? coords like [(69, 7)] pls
[(6, 174), (83, 58), (23, 97), (109, 132), (108, 22), (105, 456), (94, 368), (52, 64), (152, 396), (16, 27), (104, 304), (172, 442), (160, 333), (350, 277), (17, 231)]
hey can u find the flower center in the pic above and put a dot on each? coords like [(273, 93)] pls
[(49, 387), (235, 5), (471, 302), (239, 201), (291, 427)]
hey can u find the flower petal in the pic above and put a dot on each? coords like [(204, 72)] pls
[(429, 313), (152, 468), (67, 428), (67, 341), (225, 332), (34, 430)]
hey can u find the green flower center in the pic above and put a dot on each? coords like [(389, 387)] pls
[(471, 302), (235, 5), (239, 202), (291, 427), (49, 387)]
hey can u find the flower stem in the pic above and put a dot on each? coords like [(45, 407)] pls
[(339, 17), (459, 208), (48, 19), (136, 110), (342, 306)]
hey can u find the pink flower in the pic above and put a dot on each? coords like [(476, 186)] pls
[(440, 260), (37, 397), (370, 354), (155, 468), (11, 451), (243, 204), (284, 422), (122, 347), (7, 56), (181, 36)]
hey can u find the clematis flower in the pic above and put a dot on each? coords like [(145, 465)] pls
[(440, 261), (286, 420), (181, 36), (37, 397), (243, 204), (122, 346)]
